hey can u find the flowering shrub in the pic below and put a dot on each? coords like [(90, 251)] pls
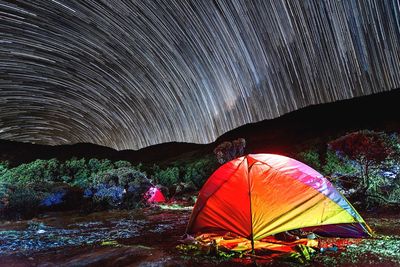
[(109, 195), (53, 199)]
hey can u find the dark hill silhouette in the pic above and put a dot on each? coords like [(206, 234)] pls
[(18, 152), (310, 126), (317, 124)]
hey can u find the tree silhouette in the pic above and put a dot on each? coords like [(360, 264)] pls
[(367, 148)]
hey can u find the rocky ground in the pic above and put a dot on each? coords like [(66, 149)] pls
[(149, 237)]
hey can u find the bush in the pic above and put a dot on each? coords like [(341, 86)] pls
[(199, 171), (53, 199), (4, 166), (368, 161), (168, 177), (38, 171), (125, 177), (78, 172), (23, 202), (108, 196), (310, 157), (368, 148), (336, 166), (227, 151), (49, 184), (124, 186), (123, 164)]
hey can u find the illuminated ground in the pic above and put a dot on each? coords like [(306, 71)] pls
[(148, 238)]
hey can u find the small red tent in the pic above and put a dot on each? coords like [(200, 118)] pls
[(154, 195)]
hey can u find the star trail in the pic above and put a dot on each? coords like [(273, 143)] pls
[(129, 74)]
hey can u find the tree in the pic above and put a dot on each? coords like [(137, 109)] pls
[(227, 151), (368, 148)]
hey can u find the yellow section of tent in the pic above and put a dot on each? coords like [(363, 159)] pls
[(298, 206)]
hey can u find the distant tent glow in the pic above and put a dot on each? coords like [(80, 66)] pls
[(154, 195), (259, 195)]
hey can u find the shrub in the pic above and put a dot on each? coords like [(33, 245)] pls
[(122, 164), (227, 151), (115, 186), (78, 172), (369, 161), (124, 177), (53, 199), (4, 166), (199, 171), (310, 157), (368, 148), (23, 202), (338, 166), (108, 196), (38, 171), (167, 177)]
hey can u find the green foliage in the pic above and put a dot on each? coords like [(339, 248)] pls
[(23, 201), (123, 164), (38, 171), (167, 177), (78, 172), (198, 172), (311, 158), (338, 166), (193, 172), (369, 149), (4, 165), (122, 177), (22, 188), (74, 171), (394, 195), (97, 166)]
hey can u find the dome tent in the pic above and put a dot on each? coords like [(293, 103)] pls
[(154, 195), (259, 195)]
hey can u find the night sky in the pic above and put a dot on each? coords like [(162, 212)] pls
[(132, 73)]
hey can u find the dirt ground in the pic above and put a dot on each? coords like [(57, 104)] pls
[(149, 238)]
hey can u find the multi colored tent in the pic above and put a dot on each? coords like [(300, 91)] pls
[(154, 195), (259, 195)]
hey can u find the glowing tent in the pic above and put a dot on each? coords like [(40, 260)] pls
[(154, 195), (263, 194)]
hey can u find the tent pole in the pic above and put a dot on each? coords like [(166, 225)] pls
[(251, 212)]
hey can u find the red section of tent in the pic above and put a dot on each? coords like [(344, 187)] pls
[(154, 195)]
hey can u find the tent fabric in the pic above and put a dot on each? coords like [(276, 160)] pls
[(259, 195), (154, 195), (240, 244)]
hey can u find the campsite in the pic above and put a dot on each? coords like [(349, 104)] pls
[(81, 240), (264, 209), (199, 133)]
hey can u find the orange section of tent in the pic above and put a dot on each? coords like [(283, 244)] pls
[(228, 209), (298, 205)]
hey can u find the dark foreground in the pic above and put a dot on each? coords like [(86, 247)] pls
[(149, 238)]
